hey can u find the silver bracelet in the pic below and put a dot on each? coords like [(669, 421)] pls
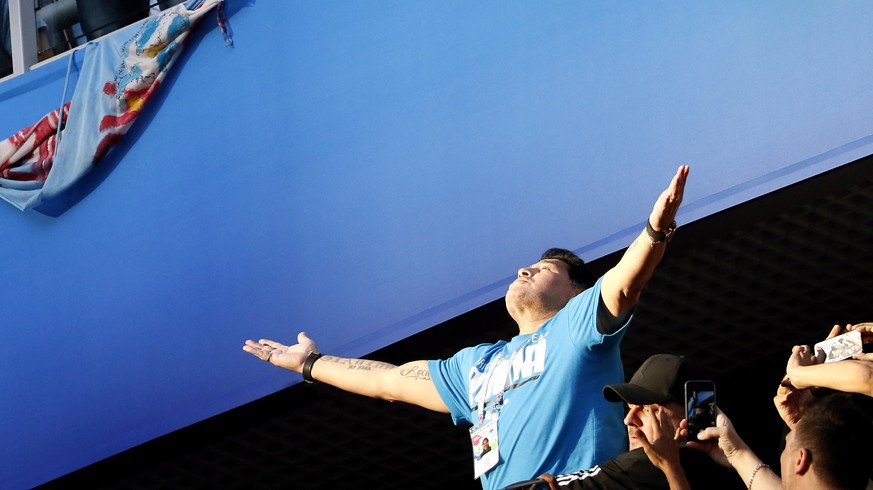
[(755, 472)]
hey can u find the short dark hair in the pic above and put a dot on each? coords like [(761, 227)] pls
[(581, 276), (838, 433)]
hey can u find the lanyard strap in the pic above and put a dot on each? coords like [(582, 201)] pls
[(498, 399)]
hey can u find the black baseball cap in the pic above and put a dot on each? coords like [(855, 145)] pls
[(660, 379)]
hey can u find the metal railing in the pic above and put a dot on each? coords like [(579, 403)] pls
[(44, 29)]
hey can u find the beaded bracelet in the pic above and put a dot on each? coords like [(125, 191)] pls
[(755, 472)]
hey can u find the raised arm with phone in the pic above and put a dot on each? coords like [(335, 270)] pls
[(807, 368), (828, 449)]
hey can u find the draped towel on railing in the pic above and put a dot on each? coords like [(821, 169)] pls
[(119, 75)]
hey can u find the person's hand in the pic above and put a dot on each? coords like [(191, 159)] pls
[(866, 330), (664, 212), (720, 442), (790, 402), (801, 355), (835, 330), (663, 449), (553, 484), (288, 357)]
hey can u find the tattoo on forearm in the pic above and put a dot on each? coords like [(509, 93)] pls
[(358, 364), (415, 372)]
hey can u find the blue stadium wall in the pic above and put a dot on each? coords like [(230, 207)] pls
[(365, 170)]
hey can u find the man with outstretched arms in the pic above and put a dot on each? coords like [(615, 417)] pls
[(536, 396)]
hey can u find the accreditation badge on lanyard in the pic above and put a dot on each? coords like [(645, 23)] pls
[(484, 434), (485, 446)]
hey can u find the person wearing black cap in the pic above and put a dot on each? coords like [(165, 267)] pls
[(654, 397)]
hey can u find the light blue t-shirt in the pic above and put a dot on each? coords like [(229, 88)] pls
[(554, 418)]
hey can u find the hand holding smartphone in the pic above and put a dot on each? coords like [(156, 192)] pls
[(840, 347), (699, 406)]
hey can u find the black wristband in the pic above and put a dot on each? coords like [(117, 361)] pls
[(307, 366), (659, 236)]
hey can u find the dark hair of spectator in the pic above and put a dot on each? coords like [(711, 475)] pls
[(838, 434)]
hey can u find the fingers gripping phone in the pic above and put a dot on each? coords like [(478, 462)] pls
[(840, 347), (699, 406)]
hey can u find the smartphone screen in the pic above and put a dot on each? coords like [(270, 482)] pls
[(699, 406)]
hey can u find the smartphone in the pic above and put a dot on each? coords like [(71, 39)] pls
[(699, 406), (840, 347)]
